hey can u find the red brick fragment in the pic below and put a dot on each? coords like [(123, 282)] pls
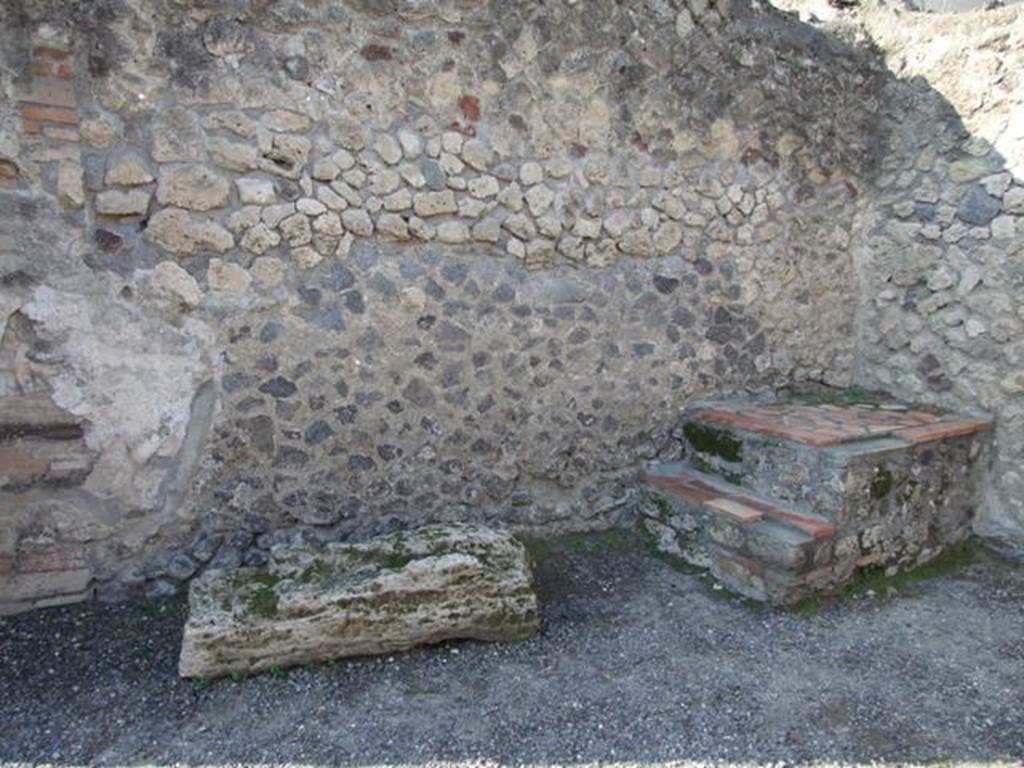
[(375, 52), (734, 509), (694, 493), (45, 114), (470, 106), (940, 430), (8, 171), (729, 563), (818, 425), (818, 529), (46, 52), (108, 242)]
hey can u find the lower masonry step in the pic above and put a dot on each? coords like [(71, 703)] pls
[(756, 546)]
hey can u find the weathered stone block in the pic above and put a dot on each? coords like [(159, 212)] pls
[(799, 496), (195, 187), (389, 594), (179, 232), (116, 202)]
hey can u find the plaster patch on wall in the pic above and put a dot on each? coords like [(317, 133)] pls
[(131, 377)]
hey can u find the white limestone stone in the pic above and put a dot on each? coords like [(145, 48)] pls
[(398, 201), (128, 171), (306, 256), (172, 282), (451, 142), (180, 232), (192, 186), (388, 149), (486, 231), (385, 595), (452, 232), (539, 199), (330, 198), (531, 173), (259, 239), (296, 230), (233, 155), (483, 187), (227, 277), (476, 155), (434, 203), (392, 225), (117, 202), (358, 222), (309, 206), (70, 184), (412, 144), (268, 271), (255, 191)]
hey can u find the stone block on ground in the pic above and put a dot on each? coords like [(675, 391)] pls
[(389, 594)]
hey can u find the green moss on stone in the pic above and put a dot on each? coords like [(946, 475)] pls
[(699, 462), (318, 572), (713, 441), (663, 506), (540, 549), (394, 560), (882, 482), (853, 394), (259, 596), (873, 581)]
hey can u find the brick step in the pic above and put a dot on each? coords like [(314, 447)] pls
[(764, 583), (715, 525), (734, 502), (838, 461), (782, 500)]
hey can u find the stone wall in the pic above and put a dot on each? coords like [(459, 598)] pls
[(319, 270), (940, 244)]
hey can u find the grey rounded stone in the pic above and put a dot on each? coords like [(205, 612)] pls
[(227, 557), (180, 566), (278, 386), (162, 588), (205, 546), (978, 207), (255, 558), (296, 67), (315, 514)]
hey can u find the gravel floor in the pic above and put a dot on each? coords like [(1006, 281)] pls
[(637, 663)]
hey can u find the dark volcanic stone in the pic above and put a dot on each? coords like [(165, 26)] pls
[(317, 432), (296, 67), (290, 457), (978, 207), (337, 278), (419, 393), (278, 386), (665, 284), (261, 433)]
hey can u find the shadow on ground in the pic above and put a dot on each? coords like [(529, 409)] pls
[(637, 662)]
